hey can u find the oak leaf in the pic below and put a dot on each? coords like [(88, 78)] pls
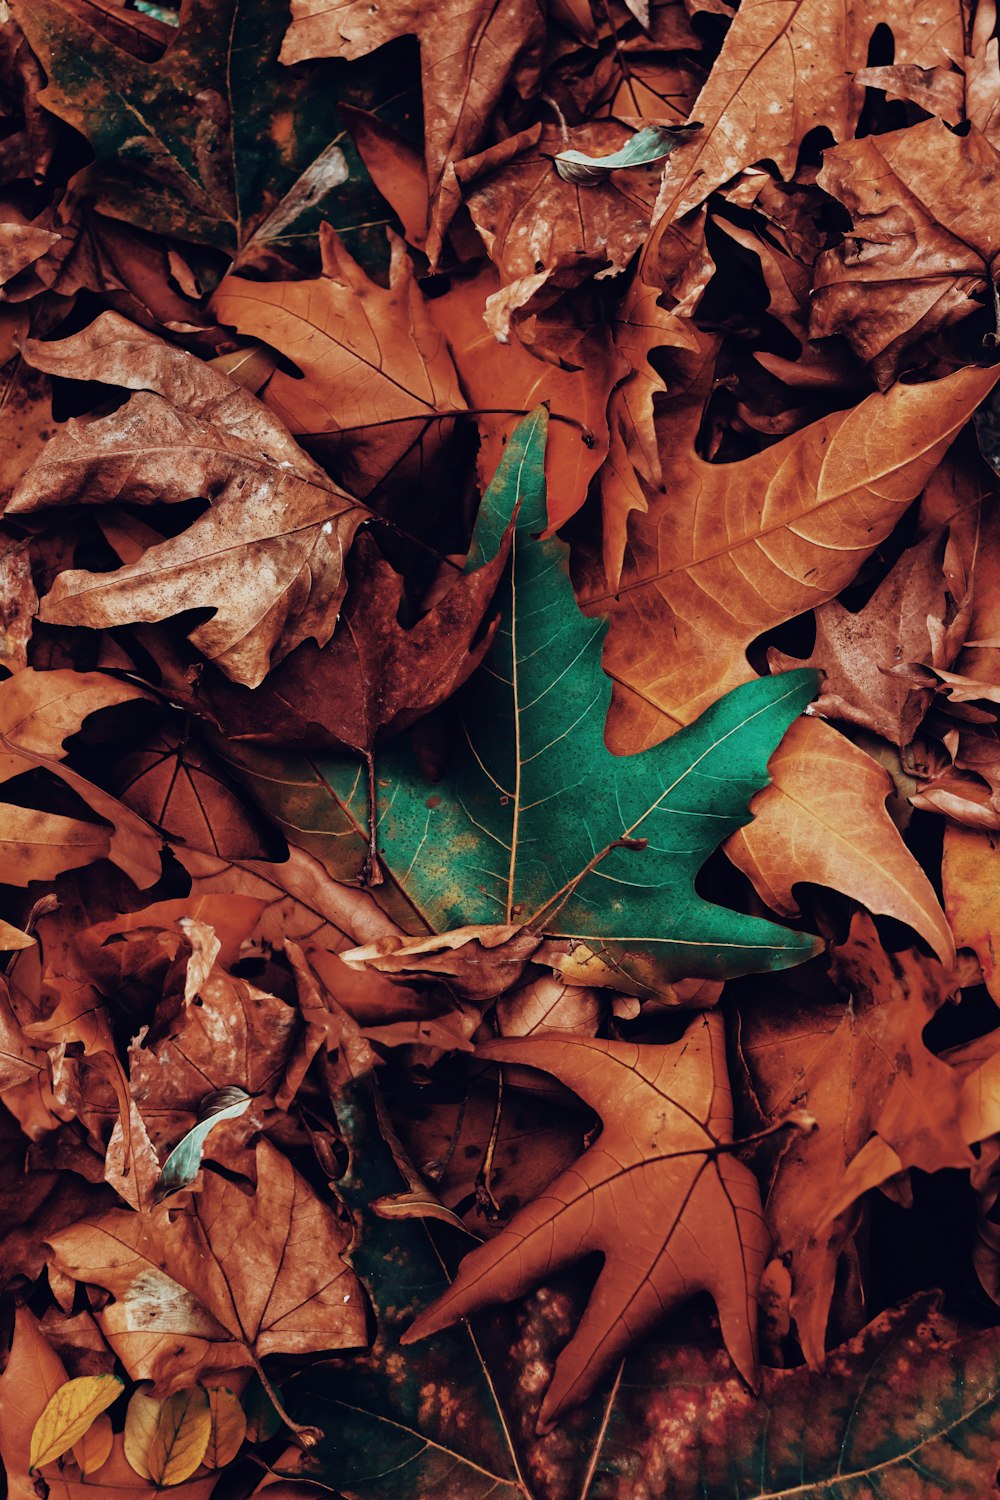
[(272, 572), (506, 44), (823, 819), (732, 550), (692, 1210), (525, 828)]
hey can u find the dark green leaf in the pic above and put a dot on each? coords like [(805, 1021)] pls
[(215, 142)]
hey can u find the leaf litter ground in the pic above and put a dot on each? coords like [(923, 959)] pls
[(498, 733)]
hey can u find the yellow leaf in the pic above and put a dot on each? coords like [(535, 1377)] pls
[(140, 1428), (229, 1426), (69, 1414), (93, 1450), (181, 1436)]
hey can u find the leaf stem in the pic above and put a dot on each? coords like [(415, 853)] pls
[(485, 1198), (371, 873), (304, 1436)]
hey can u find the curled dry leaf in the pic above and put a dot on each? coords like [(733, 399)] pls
[(908, 618), (545, 231), (861, 1068), (970, 875), (374, 678), (922, 246)]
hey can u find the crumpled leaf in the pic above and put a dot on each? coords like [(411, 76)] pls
[(38, 710), (181, 1166), (823, 819), (861, 1068), (272, 573), (921, 243), (692, 1210), (732, 550), (68, 1414), (374, 678), (505, 41), (908, 618), (544, 231)]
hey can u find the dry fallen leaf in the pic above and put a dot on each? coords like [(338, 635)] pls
[(731, 551), (661, 1167), (373, 369), (823, 819), (859, 1065), (276, 575)]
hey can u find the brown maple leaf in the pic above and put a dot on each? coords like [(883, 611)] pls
[(233, 1277), (373, 366), (671, 1213)]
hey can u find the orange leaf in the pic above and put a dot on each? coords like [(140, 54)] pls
[(823, 819)]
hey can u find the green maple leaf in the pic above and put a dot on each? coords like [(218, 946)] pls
[(215, 142), (525, 824)]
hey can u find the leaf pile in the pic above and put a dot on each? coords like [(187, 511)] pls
[(499, 745)]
